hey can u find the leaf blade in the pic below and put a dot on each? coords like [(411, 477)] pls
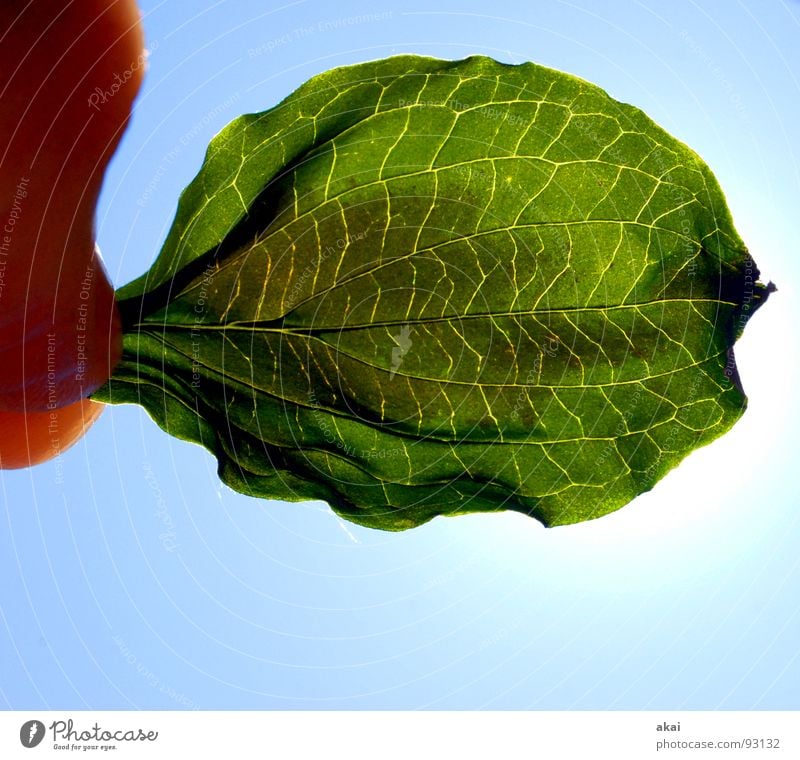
[(526, 292)]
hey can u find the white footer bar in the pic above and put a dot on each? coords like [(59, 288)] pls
[(401, 735)]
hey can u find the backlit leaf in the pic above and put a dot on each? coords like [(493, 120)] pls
[(421, 287)]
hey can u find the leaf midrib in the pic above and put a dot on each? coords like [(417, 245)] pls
[(161, 335)]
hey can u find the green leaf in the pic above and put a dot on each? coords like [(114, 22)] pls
[(421, 287)]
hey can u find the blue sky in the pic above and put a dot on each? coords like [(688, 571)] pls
[(132, 578)]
